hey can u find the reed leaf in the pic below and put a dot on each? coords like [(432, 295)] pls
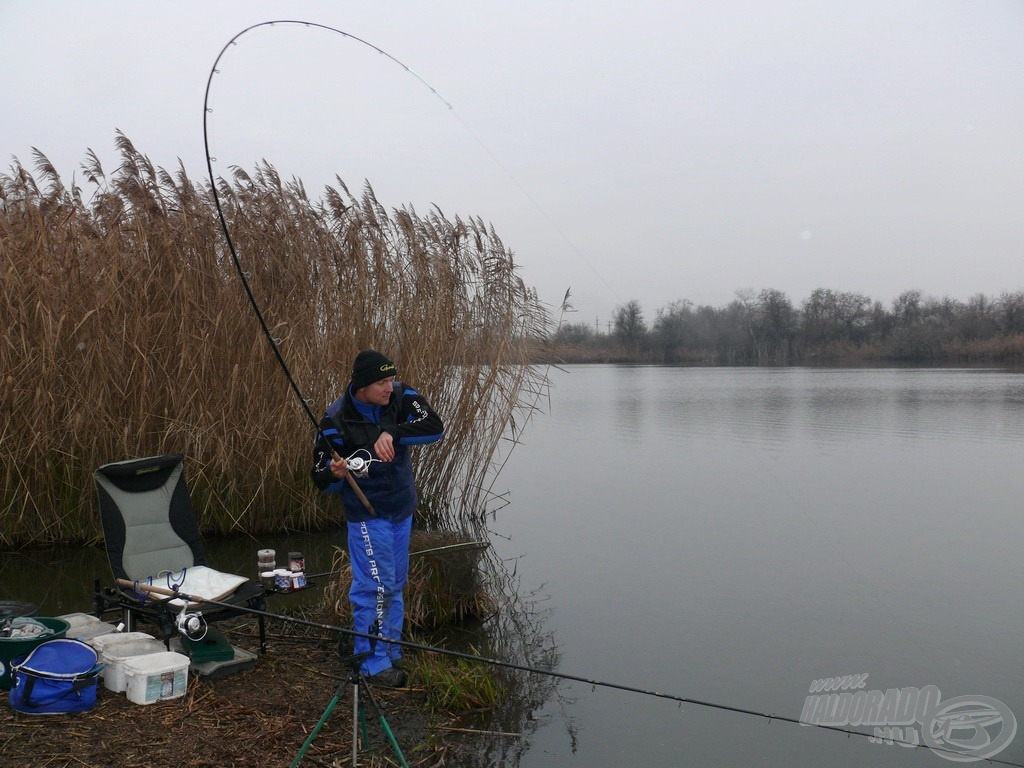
[(126, 333)]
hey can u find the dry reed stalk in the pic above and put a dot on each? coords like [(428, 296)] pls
[(126, 333), (447, 585)]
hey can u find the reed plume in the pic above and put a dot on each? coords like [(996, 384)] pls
[(126, 333)]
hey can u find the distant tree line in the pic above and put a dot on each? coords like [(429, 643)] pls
[(767, 328)]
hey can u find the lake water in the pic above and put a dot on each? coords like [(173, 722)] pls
[(732, 535)]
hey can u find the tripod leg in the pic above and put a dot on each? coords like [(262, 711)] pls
[(355, 722), (316, 728), (384, 725), (354, 677)]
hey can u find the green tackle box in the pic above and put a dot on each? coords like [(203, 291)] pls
[(213, 646)]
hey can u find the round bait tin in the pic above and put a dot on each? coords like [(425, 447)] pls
[(267, 579), (282, 579)]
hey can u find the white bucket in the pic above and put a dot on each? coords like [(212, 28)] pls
[(85, 626), (117, 655), (103, 642), (156, 677)]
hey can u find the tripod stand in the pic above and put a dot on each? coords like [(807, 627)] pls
[(357, 681)]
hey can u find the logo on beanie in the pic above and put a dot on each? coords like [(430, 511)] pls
[(371, 366)]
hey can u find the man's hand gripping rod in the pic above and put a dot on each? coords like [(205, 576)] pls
[(351, 480), (358, 491)]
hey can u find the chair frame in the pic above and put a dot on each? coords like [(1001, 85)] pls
[(147, 474)]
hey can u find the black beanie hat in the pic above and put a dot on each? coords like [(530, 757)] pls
[(370, 366)]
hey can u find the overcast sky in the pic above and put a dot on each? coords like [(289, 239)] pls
[(624, 150)]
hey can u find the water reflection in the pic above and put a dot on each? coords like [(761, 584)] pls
[(517, 633), (777, 526), (56, 580), (628, 403)]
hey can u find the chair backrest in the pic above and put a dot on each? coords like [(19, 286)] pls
[(148, 522)]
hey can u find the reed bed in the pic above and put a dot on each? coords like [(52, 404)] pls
[(126, 333), (460, 592), (448, 583)]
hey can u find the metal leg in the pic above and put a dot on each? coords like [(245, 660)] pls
[(356, 679), (385, 726), (355, 722)]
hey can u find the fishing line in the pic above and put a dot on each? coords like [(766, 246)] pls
[(594, 683), (293, 385), (303, 400), (306, 406)]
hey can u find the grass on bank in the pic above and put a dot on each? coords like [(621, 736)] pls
[(446, 588)]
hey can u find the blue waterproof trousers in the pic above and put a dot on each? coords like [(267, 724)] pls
[(379, 552)]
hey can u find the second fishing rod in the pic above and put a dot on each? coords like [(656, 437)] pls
[(169, 594)]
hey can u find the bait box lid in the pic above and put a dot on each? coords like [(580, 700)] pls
[(212, 647), (241, 660)]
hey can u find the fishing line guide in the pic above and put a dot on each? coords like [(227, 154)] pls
[(210, 159)]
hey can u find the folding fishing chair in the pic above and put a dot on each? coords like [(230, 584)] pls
[(152, 539)]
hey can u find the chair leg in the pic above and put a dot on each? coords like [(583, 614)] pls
[(98, 603)]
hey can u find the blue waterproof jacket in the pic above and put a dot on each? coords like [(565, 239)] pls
[(352, 427)]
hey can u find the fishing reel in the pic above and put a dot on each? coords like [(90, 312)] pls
[(359, 466), (191, 625)]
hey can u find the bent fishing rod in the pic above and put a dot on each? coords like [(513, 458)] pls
[(303, 400), (305, 403), (171, 594)]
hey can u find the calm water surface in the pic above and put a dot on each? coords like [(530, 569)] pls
[(731, 535)]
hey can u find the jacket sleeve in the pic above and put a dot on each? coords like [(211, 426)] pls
[(418, 423), (327, 440)]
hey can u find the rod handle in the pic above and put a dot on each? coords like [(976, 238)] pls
[(356, 489)]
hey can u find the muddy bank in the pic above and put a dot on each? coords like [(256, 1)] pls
[(258, 717)]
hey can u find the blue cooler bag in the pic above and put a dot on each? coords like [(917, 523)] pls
[(57, 676)]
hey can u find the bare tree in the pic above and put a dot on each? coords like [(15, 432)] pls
[(906, 309), (630, 328), (674, 328), (836, 315), (775, 320), (1010, 312)]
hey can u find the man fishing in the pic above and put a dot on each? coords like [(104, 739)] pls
[(370, 429)]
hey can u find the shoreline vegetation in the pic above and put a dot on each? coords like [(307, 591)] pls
[(127, 333), (829, 327)]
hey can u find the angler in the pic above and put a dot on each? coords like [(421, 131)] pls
[(380, 418)]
